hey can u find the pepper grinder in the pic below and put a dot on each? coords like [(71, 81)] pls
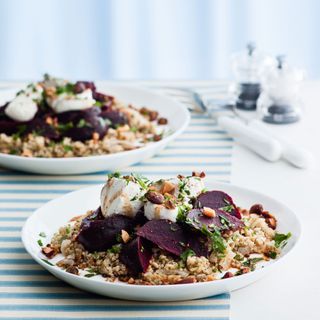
[(246, 68), (279, 102)]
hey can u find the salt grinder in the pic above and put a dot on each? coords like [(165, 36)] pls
[(279, 102), (246, 68)]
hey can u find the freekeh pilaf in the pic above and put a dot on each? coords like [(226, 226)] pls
[(169, 231), (57, 118)]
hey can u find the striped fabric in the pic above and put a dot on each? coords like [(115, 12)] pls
[(29, 292)]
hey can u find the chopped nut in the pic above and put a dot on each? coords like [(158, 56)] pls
[(227, 275), (272, 223), (245, 270), (157, 137), (169, 205), (186, 280), (26, 153), (256, 208), (167, 187), (210, 277), (180, 176), (73, 270), (198, 174), (208, 212), (49, 121), (131, 281), (153, 115), (162, 121), (95, 136), (48, 251), (155, 197), (125, 236)]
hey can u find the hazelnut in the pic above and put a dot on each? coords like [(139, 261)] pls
[(162, 121), (186, 280), (125, 236), (48, 251), (227, 275), (167, 187), (155, 197), (256, 208), (198, 174), (208, 212), (73, 270)]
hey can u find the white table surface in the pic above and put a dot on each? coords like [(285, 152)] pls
[(293, 291)]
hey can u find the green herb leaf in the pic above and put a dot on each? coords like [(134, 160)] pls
[(67, 148), (115, 248), (281, 239), (47, 262), (90, 275), (187, 253), (272, 254), (68, 88), (42, 234), (40, 243), (114, 175), (143, 181)]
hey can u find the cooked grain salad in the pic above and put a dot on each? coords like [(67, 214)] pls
[(170, 231), (57, 118)]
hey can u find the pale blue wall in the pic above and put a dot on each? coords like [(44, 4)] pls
[(114, 39)]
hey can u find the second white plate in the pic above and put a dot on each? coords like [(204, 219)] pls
[(177, 115)]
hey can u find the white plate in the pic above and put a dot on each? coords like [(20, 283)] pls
[(177, 115), (58, 212)]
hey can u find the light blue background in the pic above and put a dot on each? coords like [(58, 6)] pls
[(151, 39)]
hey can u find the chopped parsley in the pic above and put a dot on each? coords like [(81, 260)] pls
[(187, 253), (68, 229), (98, 104), (90, 275), (47, 262), (134, 129), (68, 88), (251, 263), (115, 174), (83, 123), (143, 181), (281, 239), (67, 148), (272, 254), (42, 234), (40, 243), (21, 130), (115, 248), (229, 208), (65, 126), (217, 241)]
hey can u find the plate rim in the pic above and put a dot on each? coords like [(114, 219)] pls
[(165, 287)]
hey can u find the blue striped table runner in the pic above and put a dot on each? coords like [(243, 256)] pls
[(29, 292)]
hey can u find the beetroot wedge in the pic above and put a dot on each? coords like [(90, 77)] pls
[(100, 235), (172, 237), (222, 220), (219, 200), (136, 255)]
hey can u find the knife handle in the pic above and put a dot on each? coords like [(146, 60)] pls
[(297, 156), (262, 144)]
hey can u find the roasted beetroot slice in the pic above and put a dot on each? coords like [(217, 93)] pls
[(115, 117), (219, 200), (197, 242), (222, 220), (167, 235), (100, 235), (95, 215), (136, 255)]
